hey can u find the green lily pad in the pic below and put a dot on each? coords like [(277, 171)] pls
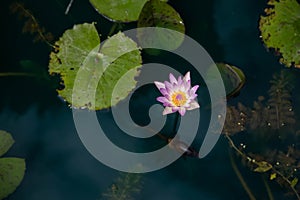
[(11, 174), (95, 70), (157, 13), (119, 10), (6, 141), (280, 29), (72, 48), (233, 78), (119, 57)]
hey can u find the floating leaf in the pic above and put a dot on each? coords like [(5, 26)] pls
[(11, 174), (273, 176), (233, 78), (294, 182), (280, 29), (116, 10), (6, 141), (263, 166), (118, 66), (72, 48), (95, 69), (159, 14)]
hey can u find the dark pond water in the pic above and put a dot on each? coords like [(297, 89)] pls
[(59, 166)]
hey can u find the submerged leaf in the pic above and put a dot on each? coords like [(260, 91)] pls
[(280, 29), (124, 188), (273, 176), (11, 174), (280, 110), (233, 78), (157, 13), (294, 182), (263, 166), (81, 61), (116, 10), (6, 141)]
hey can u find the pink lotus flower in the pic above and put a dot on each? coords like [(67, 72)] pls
[(177, 94)]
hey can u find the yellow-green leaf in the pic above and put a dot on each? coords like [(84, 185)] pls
[(119, 10), (263, 166), (6, 141), (95, 70), (280, 29), (273, 176), (294, 182), (11, 174)]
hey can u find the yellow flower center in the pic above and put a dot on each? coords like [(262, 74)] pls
[(178, 98)]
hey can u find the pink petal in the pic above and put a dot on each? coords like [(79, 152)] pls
[(172, 78), (168, 85), (179, 82), (187, 103), (193, 105), (194, 89), (167, 104), (162, 99), (187, 85), (187, 77), (174, 109), (184, 87), (159, 85), (181, 111), (163, 91), (167, 110), (167, 96), (175, 88), (193, 96)]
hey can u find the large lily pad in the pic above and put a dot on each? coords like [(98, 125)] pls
[(11, 174), (119, 10), (95, 70), (72, 48), (157, 13), (6, 141), (118, 58), (280, 29)]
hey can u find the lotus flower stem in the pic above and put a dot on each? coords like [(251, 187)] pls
[(175, 123)]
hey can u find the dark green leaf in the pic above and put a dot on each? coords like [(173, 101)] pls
[(6, 141), (119, 10), (280, 29), (11, 174), (159, 14), (233, 78)]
